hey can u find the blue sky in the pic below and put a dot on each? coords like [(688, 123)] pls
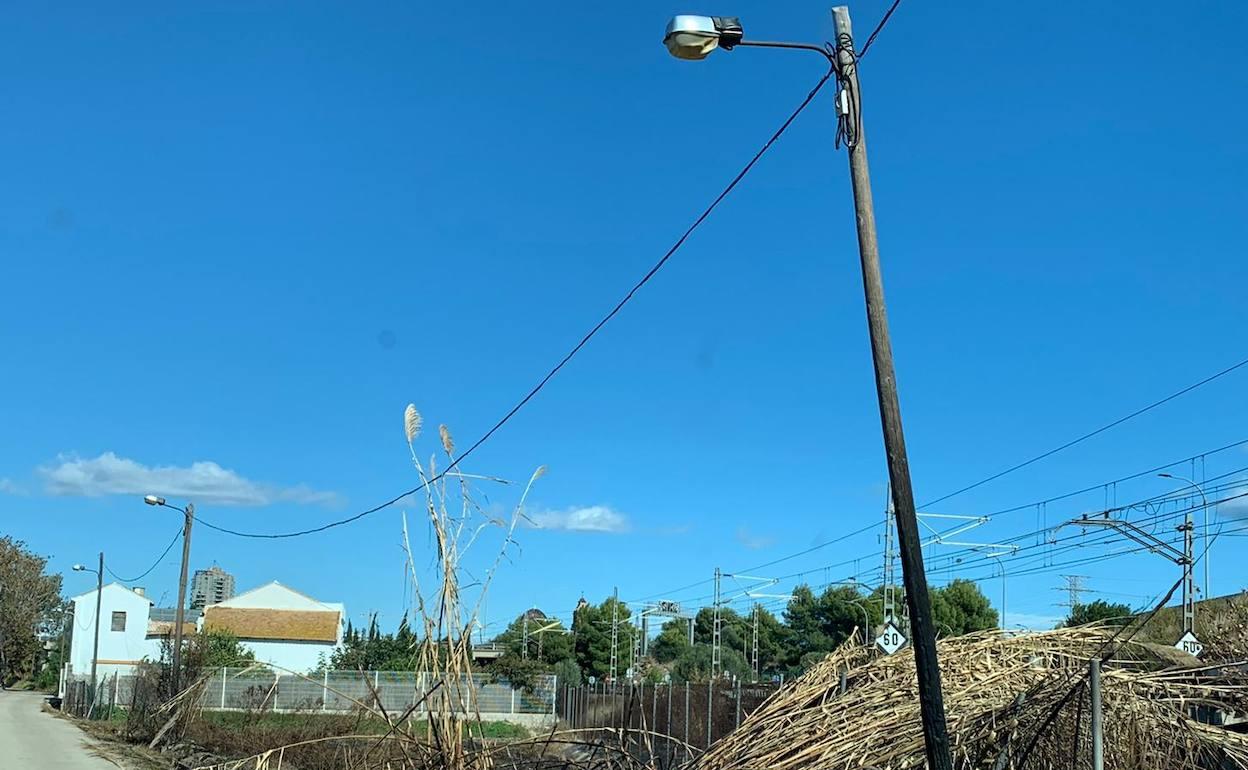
[(237, 241)]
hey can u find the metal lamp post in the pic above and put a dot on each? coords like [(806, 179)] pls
[(694, 38), (99, 598), (188, 514), (1205, 506)]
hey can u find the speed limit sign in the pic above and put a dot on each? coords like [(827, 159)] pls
[(891, 640)]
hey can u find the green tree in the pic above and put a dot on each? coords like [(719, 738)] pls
[(591, 627), (374, 650), (671, 642), (819, 624), (517, 671), (28, 595), (1096, 612), (568, 672), (218, 649), (961, 608), (694, 665)]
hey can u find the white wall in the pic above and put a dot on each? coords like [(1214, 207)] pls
[(119, 650), (298, 657)]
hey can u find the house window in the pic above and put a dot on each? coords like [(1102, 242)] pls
[(119, 621)]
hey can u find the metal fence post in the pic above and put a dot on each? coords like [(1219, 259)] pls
[(667, 727), (223, 678), (710, 708), (377, 686), (325, 692), (686, 712), (1098, 745), (554, 692), (654, 706)]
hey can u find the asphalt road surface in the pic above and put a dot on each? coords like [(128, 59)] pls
[(33, 740)]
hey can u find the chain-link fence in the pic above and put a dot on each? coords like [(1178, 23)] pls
[(681, 718), (397, 692)]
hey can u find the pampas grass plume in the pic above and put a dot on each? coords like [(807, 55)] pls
[(411, 422)]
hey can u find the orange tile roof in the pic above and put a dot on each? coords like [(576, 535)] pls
[(283, 625)]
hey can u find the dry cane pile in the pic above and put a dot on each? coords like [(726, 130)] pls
[(1011, 702)]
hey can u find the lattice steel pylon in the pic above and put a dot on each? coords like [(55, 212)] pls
[(615, 633), (716, 653), (890, 565), (754, 657)]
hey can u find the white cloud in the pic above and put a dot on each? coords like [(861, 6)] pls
[(593, 518), (752, 541), (202, 481), (10, 487), (1235, 509)]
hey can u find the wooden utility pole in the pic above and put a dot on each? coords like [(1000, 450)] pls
[(931, 700), (95, 646), (180, 615)]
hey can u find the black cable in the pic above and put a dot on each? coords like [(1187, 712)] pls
[(159, 559), (1087, 436), (878, 28), (576, 349)]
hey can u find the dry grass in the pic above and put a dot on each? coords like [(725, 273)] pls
[(1015, 699)]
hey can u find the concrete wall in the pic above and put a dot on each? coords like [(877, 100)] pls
[(119, 650)]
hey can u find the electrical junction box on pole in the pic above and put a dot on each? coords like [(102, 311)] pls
[(891, 640), (1190, 644)]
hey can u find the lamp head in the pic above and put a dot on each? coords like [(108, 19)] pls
[(79, 568), (694, 37), (154, 500)]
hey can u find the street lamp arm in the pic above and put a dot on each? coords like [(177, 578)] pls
[(822, 51)]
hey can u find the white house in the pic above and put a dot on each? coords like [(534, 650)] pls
[(124, 638), (283, 627)]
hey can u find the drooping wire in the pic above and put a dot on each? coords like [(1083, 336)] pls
[(159, 559), (878, 28), (575, 349)]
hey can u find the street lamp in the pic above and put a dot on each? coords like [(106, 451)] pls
[(188, 517), (99, 597), (1204, 505), (693, 38)]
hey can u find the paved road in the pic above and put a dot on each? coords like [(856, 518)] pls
[(33, 740)]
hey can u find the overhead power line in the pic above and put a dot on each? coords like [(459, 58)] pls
[(878, 28), (671, 593), (1088, 435), (159, 559), (575, 349)]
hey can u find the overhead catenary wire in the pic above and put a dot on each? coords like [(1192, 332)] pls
[(148, 571), (1088, 435), (1152, 470), (571, 353)]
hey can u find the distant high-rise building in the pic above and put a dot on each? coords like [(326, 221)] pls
[(211, 586)]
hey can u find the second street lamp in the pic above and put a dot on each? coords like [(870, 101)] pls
[(693, 37), (1204, 504), (99, 600), (188, 518)]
